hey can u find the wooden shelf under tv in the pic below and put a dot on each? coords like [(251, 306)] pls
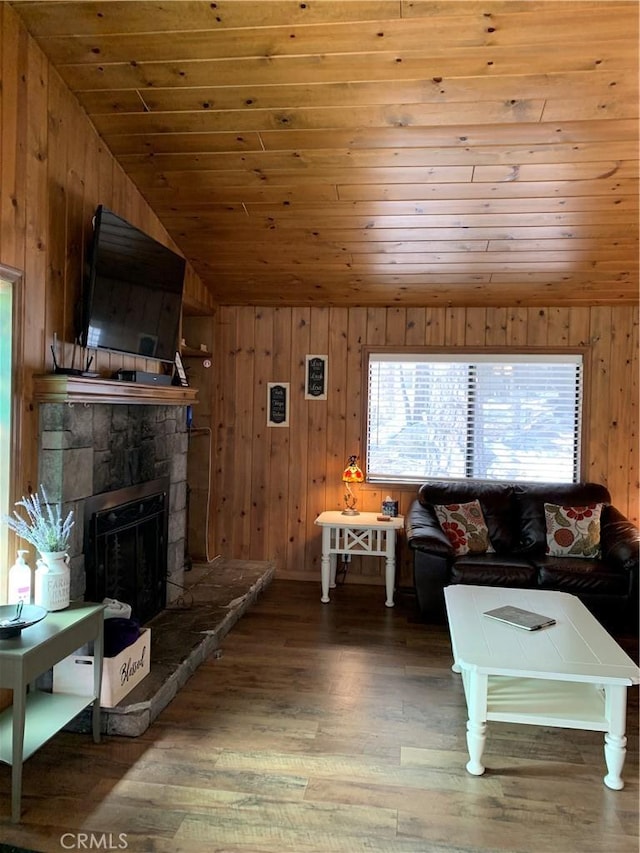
[(192, 352), (56, 388)]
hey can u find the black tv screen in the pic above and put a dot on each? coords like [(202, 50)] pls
[(133, 292)]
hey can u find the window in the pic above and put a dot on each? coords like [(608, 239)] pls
[(476, 416)]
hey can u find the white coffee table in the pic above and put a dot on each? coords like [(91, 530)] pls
[(572, 674), (357, 534)]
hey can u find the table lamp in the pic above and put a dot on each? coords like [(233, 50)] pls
[(350, 476)]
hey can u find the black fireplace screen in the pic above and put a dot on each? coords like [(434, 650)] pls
[(126, 547)]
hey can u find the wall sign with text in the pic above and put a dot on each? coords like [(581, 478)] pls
[(277, 404), (315, 382)]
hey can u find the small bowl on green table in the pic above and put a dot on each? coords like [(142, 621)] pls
[(14, 618)]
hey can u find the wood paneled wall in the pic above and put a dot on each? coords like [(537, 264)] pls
[(270, 483), (54, 171)]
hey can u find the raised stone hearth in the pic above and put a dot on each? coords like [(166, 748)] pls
[(215, 597)]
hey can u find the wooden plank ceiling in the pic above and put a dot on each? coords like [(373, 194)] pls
[(372, 152)]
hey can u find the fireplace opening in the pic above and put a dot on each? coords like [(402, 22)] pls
[(126, 547)]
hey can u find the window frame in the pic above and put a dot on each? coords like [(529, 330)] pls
[(14, 278), (503, 352)]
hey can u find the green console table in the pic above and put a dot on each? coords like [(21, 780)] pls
[(35, 715)]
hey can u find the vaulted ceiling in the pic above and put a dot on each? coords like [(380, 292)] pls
[(372, 152)]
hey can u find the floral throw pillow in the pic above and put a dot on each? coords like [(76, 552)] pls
[(465, 527), (573, 531)]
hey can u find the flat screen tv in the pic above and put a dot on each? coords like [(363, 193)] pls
[(133, 291)]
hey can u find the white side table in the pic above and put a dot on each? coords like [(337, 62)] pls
[(357, 534)]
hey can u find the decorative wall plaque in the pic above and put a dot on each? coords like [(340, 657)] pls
[(278, 404), (315, 384)]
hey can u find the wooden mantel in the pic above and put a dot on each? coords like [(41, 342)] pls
[(55, 388)]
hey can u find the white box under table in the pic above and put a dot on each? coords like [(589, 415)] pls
[(120, 674), (572, 674)]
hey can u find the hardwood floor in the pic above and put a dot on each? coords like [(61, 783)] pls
[(335, 728)]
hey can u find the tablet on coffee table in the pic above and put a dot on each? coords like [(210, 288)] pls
[(520, 618)]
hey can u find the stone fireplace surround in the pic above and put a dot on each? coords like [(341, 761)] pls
[(87, 448)]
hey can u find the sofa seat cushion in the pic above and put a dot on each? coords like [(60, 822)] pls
[(493, 570), (577, 576)]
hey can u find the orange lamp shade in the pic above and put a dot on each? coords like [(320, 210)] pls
[(352, 474)]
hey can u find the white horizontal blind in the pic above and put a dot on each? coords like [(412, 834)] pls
[(487, 417)]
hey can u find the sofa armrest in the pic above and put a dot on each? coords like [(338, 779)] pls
[(424, 533), (432, 557), (620, 541)]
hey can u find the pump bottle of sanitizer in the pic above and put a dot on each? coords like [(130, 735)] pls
[(19, 581)]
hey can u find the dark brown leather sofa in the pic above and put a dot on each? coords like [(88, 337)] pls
[(514, 515)]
